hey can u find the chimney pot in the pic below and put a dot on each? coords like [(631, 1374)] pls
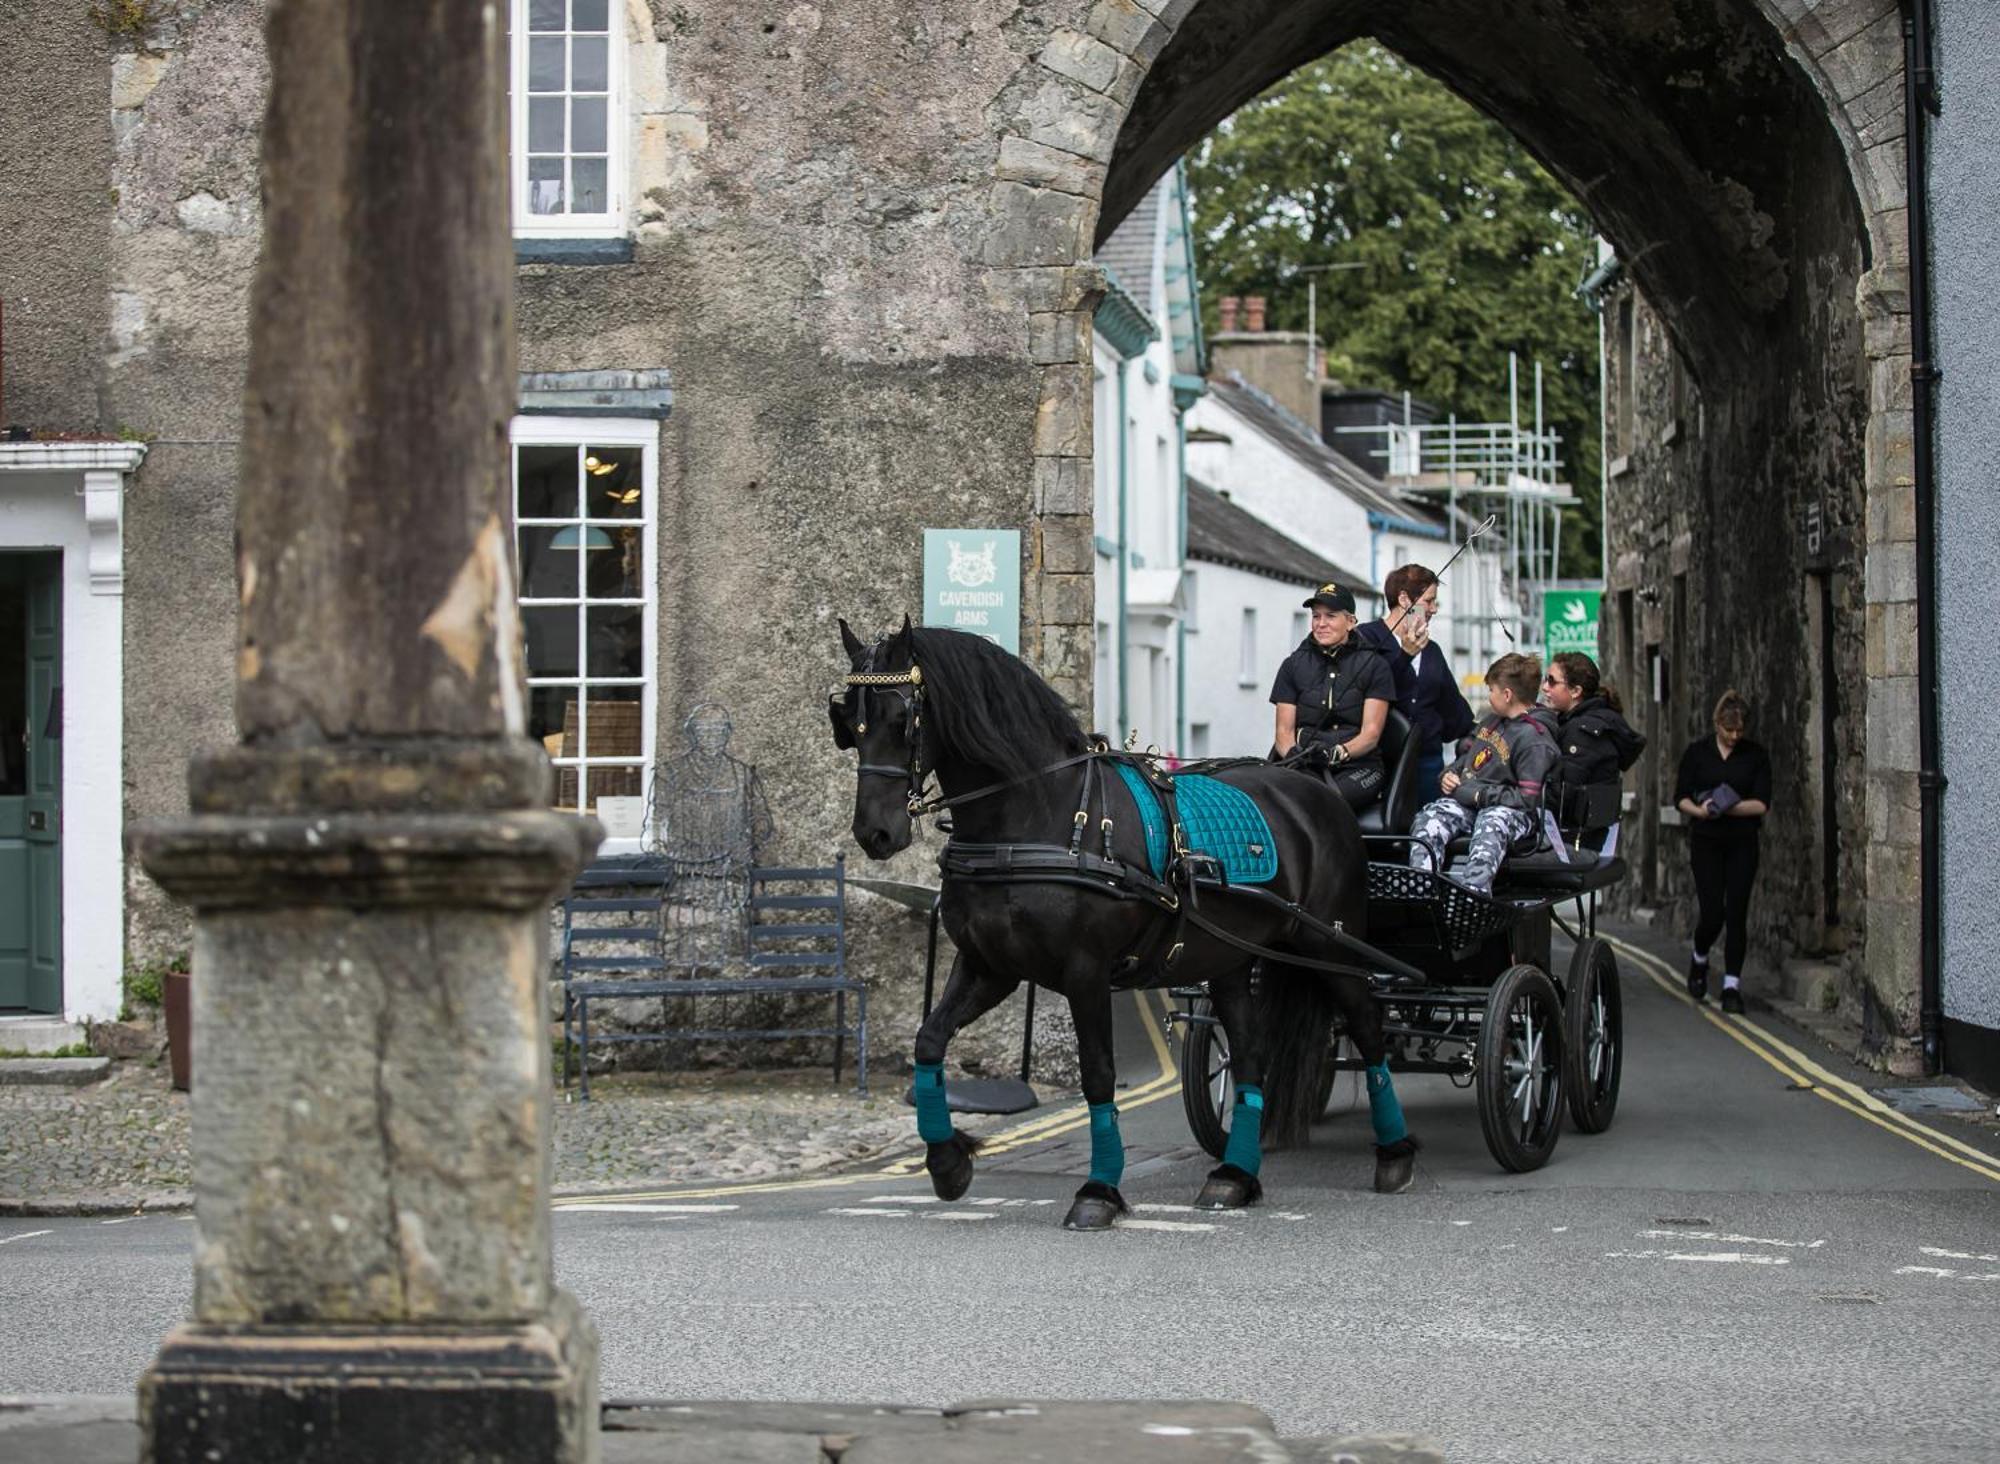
[(1253, 312), (1226, 306)]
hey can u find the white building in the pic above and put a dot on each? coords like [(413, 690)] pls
[(1147, 368)]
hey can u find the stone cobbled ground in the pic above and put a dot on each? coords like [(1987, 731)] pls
[(123, 1143)]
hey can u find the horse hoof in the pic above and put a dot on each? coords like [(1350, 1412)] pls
[(1229, 1188), (1395, 1166), (950, 1165), (1095, 1207)]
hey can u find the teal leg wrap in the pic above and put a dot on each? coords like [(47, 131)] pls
[(1246, 1125), (1383, 1107), (1107, 1150), (933, 1114)]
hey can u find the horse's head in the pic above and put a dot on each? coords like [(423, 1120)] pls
[(881, 715)]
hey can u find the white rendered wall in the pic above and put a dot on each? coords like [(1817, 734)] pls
[(46, 511), (1237, 711)]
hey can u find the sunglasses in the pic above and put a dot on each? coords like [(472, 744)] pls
[(1554, 681)]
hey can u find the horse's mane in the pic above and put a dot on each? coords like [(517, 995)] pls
[(984, 706)]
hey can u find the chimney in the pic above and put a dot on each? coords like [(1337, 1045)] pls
[(1279, 363), (1226, 308), (1253, 312)]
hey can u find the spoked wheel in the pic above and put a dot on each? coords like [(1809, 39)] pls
[(1208, 1093), (1594, 1029), (1521, 1069)]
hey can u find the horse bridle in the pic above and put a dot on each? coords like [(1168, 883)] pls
[(913, 700)]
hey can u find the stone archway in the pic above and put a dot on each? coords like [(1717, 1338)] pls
[(1746, 158)]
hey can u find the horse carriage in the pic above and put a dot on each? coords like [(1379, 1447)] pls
[(1296, 942)]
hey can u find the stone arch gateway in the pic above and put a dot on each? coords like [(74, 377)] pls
[(1746, 161)]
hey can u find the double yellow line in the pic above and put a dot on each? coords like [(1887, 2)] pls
[(1809, 1075), (1040, 1129)]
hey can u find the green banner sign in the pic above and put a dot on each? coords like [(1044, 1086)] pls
[(1569, 621), (972, 582)]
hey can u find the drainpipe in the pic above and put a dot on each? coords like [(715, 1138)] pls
[(1124, 555), (1180, 558), (1920, 101)]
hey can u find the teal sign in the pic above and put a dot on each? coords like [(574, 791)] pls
[(972, 582), (1569, 621)]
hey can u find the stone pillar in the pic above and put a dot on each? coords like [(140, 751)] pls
[(370, 868)]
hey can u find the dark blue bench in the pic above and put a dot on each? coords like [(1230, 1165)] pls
[(795, 944)]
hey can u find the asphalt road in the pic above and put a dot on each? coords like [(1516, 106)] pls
[(1757, 1262)]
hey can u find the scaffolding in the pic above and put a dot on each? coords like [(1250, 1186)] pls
[(1470, 469)]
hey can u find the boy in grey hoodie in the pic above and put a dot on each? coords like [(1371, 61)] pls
[(1496, 782)]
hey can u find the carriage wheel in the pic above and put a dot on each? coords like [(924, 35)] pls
[(1207, 1091), (1594, 1029), (1520, 1077)]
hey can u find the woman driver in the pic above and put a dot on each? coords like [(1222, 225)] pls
[(1333, 693)]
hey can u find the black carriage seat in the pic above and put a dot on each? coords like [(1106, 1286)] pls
[(1393, 811), (1583, 814)]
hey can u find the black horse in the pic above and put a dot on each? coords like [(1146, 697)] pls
[(1011, 763)]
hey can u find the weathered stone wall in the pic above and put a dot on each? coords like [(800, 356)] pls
[(55, 213)]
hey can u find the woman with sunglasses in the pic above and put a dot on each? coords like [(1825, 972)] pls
[(1596, 742)]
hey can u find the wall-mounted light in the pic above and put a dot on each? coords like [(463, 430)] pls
[(591, 538)]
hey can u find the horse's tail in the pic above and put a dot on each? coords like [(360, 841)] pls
[(1295, 1011)]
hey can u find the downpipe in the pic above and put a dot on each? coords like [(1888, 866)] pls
[(1920, 103)]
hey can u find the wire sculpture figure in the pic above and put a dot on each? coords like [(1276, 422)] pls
[(709, 819)]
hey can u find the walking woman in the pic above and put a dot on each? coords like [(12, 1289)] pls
[(1725, 790), (1426, 691)]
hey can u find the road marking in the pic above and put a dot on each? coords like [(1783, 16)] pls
[(1809, 1075), (121, 1220), (1190, 1225), (1950, 1255), (902, 1200), (24, 1235), (867, 1210), (1734, 1258), (1945, 1273), (958, 1215), (628, 1207), (1728, 1239)]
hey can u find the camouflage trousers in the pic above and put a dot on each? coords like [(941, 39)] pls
[(1494, 831)]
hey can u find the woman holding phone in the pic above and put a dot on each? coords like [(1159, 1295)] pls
[(1724, 788), (1426, 691)]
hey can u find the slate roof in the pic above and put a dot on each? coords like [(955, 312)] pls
[(1305, 444), (1128, 253), (1222, 532)]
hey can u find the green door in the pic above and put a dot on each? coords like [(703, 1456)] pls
[(31, 782)]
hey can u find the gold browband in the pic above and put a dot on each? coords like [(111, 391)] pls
[(912, 677)]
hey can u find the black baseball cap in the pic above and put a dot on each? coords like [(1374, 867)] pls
[(1333, 597)]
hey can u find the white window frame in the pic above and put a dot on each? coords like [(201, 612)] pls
[(611, 224), (1246, 648), (644, 435)]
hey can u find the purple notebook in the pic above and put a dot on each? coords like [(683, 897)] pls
[(1722, 796)]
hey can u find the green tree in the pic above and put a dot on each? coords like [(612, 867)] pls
[(1460, 248)]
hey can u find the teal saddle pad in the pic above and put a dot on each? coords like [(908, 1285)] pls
[(1217, 820)]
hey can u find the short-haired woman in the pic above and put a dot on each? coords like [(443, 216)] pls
[(1426, 691), (1332, 694), (1724, 788)]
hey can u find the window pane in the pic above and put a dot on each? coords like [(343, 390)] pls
[(615, 725), (588, 15), (547, 706), (616, 484), (588, 175), (589, 66), (586, 125), (615, 783), (545, 15), (547, 573), (545, 190), (545, 65), (617, 640), (551, 634), (545, 124), (619, 572), (547, 482)]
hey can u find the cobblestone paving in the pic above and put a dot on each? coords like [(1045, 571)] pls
[(124, 1142)]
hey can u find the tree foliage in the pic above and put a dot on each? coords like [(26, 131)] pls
[(1460, 248)]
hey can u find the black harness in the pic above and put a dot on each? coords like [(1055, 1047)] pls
[(1101, 871)]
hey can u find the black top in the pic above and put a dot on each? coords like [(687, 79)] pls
[(1597, 744), (1747, 770), (1331, 689), (1427, 693)]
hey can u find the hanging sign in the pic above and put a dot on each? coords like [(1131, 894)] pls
[(972, 582), (1569, 621)]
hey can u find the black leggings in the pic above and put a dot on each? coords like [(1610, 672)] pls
[(1724, 870)]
